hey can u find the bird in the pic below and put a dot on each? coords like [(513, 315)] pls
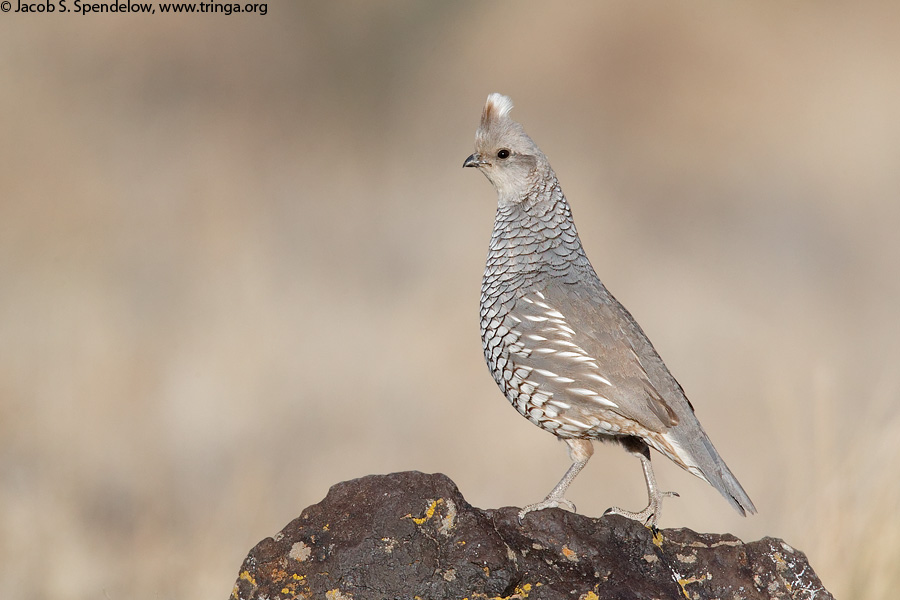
[(566, 354)]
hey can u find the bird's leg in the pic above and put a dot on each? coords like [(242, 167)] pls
[(580, 452), (649, 515)]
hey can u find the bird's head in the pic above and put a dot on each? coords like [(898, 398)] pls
[(504, 152)]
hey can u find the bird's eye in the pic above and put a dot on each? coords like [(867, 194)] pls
[(504, 153)]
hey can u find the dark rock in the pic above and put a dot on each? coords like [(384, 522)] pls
[(412, 535)]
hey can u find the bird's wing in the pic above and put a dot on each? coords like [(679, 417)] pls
[(582, 362)]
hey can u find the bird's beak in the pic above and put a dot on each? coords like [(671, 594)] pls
[(475, 161)]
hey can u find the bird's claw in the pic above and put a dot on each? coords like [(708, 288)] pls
[(649, 515), (548, 502)]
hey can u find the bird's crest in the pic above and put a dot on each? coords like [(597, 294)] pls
[(497, 128), (496, 109)]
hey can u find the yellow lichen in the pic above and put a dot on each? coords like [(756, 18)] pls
[(686, 580), (279, 575), (520, 593), (429, 512)]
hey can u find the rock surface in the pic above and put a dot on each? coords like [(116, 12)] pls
[(413, 535)]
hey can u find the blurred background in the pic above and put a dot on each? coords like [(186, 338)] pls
[(240, 262)]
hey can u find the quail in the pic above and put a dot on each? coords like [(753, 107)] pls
[(567, 355)]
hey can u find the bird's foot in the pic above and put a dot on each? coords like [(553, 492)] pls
[(548, 502), (649, 515)]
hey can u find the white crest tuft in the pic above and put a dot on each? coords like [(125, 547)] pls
[(496, 107)]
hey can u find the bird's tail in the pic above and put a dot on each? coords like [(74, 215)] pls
[(696, 454)]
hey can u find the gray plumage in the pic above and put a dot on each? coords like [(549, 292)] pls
[(567, 355)]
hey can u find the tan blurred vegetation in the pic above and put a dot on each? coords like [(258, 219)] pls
[(240, 262)]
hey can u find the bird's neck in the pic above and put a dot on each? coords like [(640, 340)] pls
[(535, 216), (534, 237)]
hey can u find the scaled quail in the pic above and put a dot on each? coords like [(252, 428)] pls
[(568, 356)]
